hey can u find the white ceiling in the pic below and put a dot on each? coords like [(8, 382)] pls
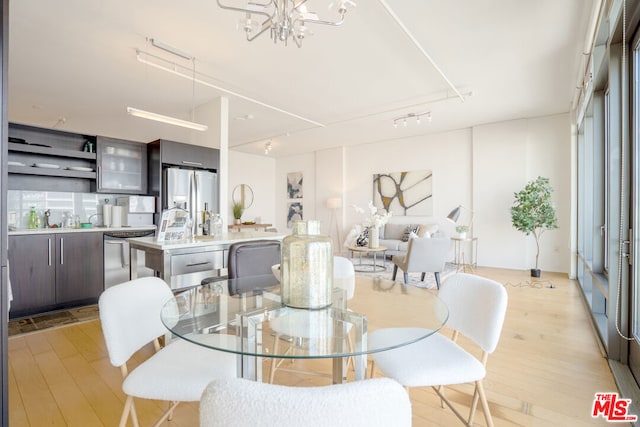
[(76, 59)]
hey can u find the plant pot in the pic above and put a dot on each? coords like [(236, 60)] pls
[(535, 272), (237, 221)]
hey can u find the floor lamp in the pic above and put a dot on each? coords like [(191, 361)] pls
[(455, 214), (334, 204)]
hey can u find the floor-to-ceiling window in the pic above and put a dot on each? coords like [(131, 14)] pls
[(608, 186)]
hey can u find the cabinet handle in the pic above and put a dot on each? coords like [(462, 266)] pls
[(61, 250), (187, 162), (198, 263), (49, 248)]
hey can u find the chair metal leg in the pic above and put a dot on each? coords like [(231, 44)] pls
[(272, 373), (437, 274), (125, 413), (395, 272), (167, 414), (422, 277), (406, 278), (485, 404)]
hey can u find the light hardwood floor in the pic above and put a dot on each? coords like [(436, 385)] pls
[(545, 371)]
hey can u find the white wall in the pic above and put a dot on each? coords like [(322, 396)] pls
[(479, 168), (259, 173), (506, 156)]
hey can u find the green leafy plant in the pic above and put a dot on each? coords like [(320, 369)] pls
[(462, 228), (533, 211), (238, 209)]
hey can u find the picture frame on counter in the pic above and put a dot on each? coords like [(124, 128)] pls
[(173, 225)]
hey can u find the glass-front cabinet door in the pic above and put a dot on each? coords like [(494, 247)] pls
[(122, 166)]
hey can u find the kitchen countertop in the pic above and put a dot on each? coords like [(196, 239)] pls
[(58, 230), (225, 239)]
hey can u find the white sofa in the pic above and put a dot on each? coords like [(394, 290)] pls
[(391, 234)]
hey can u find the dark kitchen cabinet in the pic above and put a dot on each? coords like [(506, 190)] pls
[(122, 166), (79, 268), (32, 271), (50, 271), (187, 155)]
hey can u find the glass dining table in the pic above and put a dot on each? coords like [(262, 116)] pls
[(246, 317)]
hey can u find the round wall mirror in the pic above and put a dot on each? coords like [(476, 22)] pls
[(243, 194)]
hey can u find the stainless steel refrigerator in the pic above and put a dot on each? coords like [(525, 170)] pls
[(190, 189)]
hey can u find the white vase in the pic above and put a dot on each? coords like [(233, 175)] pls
[(462, 235), (374, 237)]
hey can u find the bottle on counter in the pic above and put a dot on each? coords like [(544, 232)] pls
[(216, 225), (206, 220), (33, 218)]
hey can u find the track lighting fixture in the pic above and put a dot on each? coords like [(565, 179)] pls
[(416, 116)]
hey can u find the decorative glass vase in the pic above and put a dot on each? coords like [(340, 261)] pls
[(374, 237), (306, 267)]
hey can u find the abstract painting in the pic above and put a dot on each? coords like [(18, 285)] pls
[(294, 213), (404, 193), (294, 185)]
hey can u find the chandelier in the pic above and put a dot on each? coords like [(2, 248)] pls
[(285, 19)]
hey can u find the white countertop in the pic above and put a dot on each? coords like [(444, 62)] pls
[(225, 239), (58, 230)]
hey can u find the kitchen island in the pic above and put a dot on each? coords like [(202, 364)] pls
[(184, 263)]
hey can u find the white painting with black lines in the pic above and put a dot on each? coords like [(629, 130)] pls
[(294, 185), (294, 213), (404, 193)]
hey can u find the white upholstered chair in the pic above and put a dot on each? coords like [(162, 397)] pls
[(424, 254), (178, 372), (379, 402), (477, 308)]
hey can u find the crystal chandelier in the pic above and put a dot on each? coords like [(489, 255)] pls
[(286, 19)]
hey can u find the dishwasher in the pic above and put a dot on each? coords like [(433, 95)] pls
[(116, 256)]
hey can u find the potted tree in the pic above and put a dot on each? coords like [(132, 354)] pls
[(238, 209), (533, 212)]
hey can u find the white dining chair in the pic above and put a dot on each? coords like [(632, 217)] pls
[(178, 372), (380, 402), (477, 308)]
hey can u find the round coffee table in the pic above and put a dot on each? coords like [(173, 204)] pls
[(369, 268)]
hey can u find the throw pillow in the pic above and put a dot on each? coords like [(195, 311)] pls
[(363, 238), (407, 231), (431, 229)]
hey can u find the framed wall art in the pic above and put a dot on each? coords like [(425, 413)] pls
[(404, 193), (294, 213), (294, 185)]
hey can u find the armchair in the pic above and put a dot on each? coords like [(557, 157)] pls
[(423, 254)]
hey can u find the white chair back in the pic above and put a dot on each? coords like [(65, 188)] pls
[(130, 316), (344, 276), (380, 402), (427, 254), (477, 307)]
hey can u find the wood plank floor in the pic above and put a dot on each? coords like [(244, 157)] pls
[(545, 371)]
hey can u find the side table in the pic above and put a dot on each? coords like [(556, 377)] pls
[(369, 268), (459, 245)]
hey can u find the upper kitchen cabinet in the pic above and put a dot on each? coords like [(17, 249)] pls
[(187, 155), (122, 166), (48, 159)]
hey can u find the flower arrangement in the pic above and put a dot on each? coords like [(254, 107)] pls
[(374, 219)]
